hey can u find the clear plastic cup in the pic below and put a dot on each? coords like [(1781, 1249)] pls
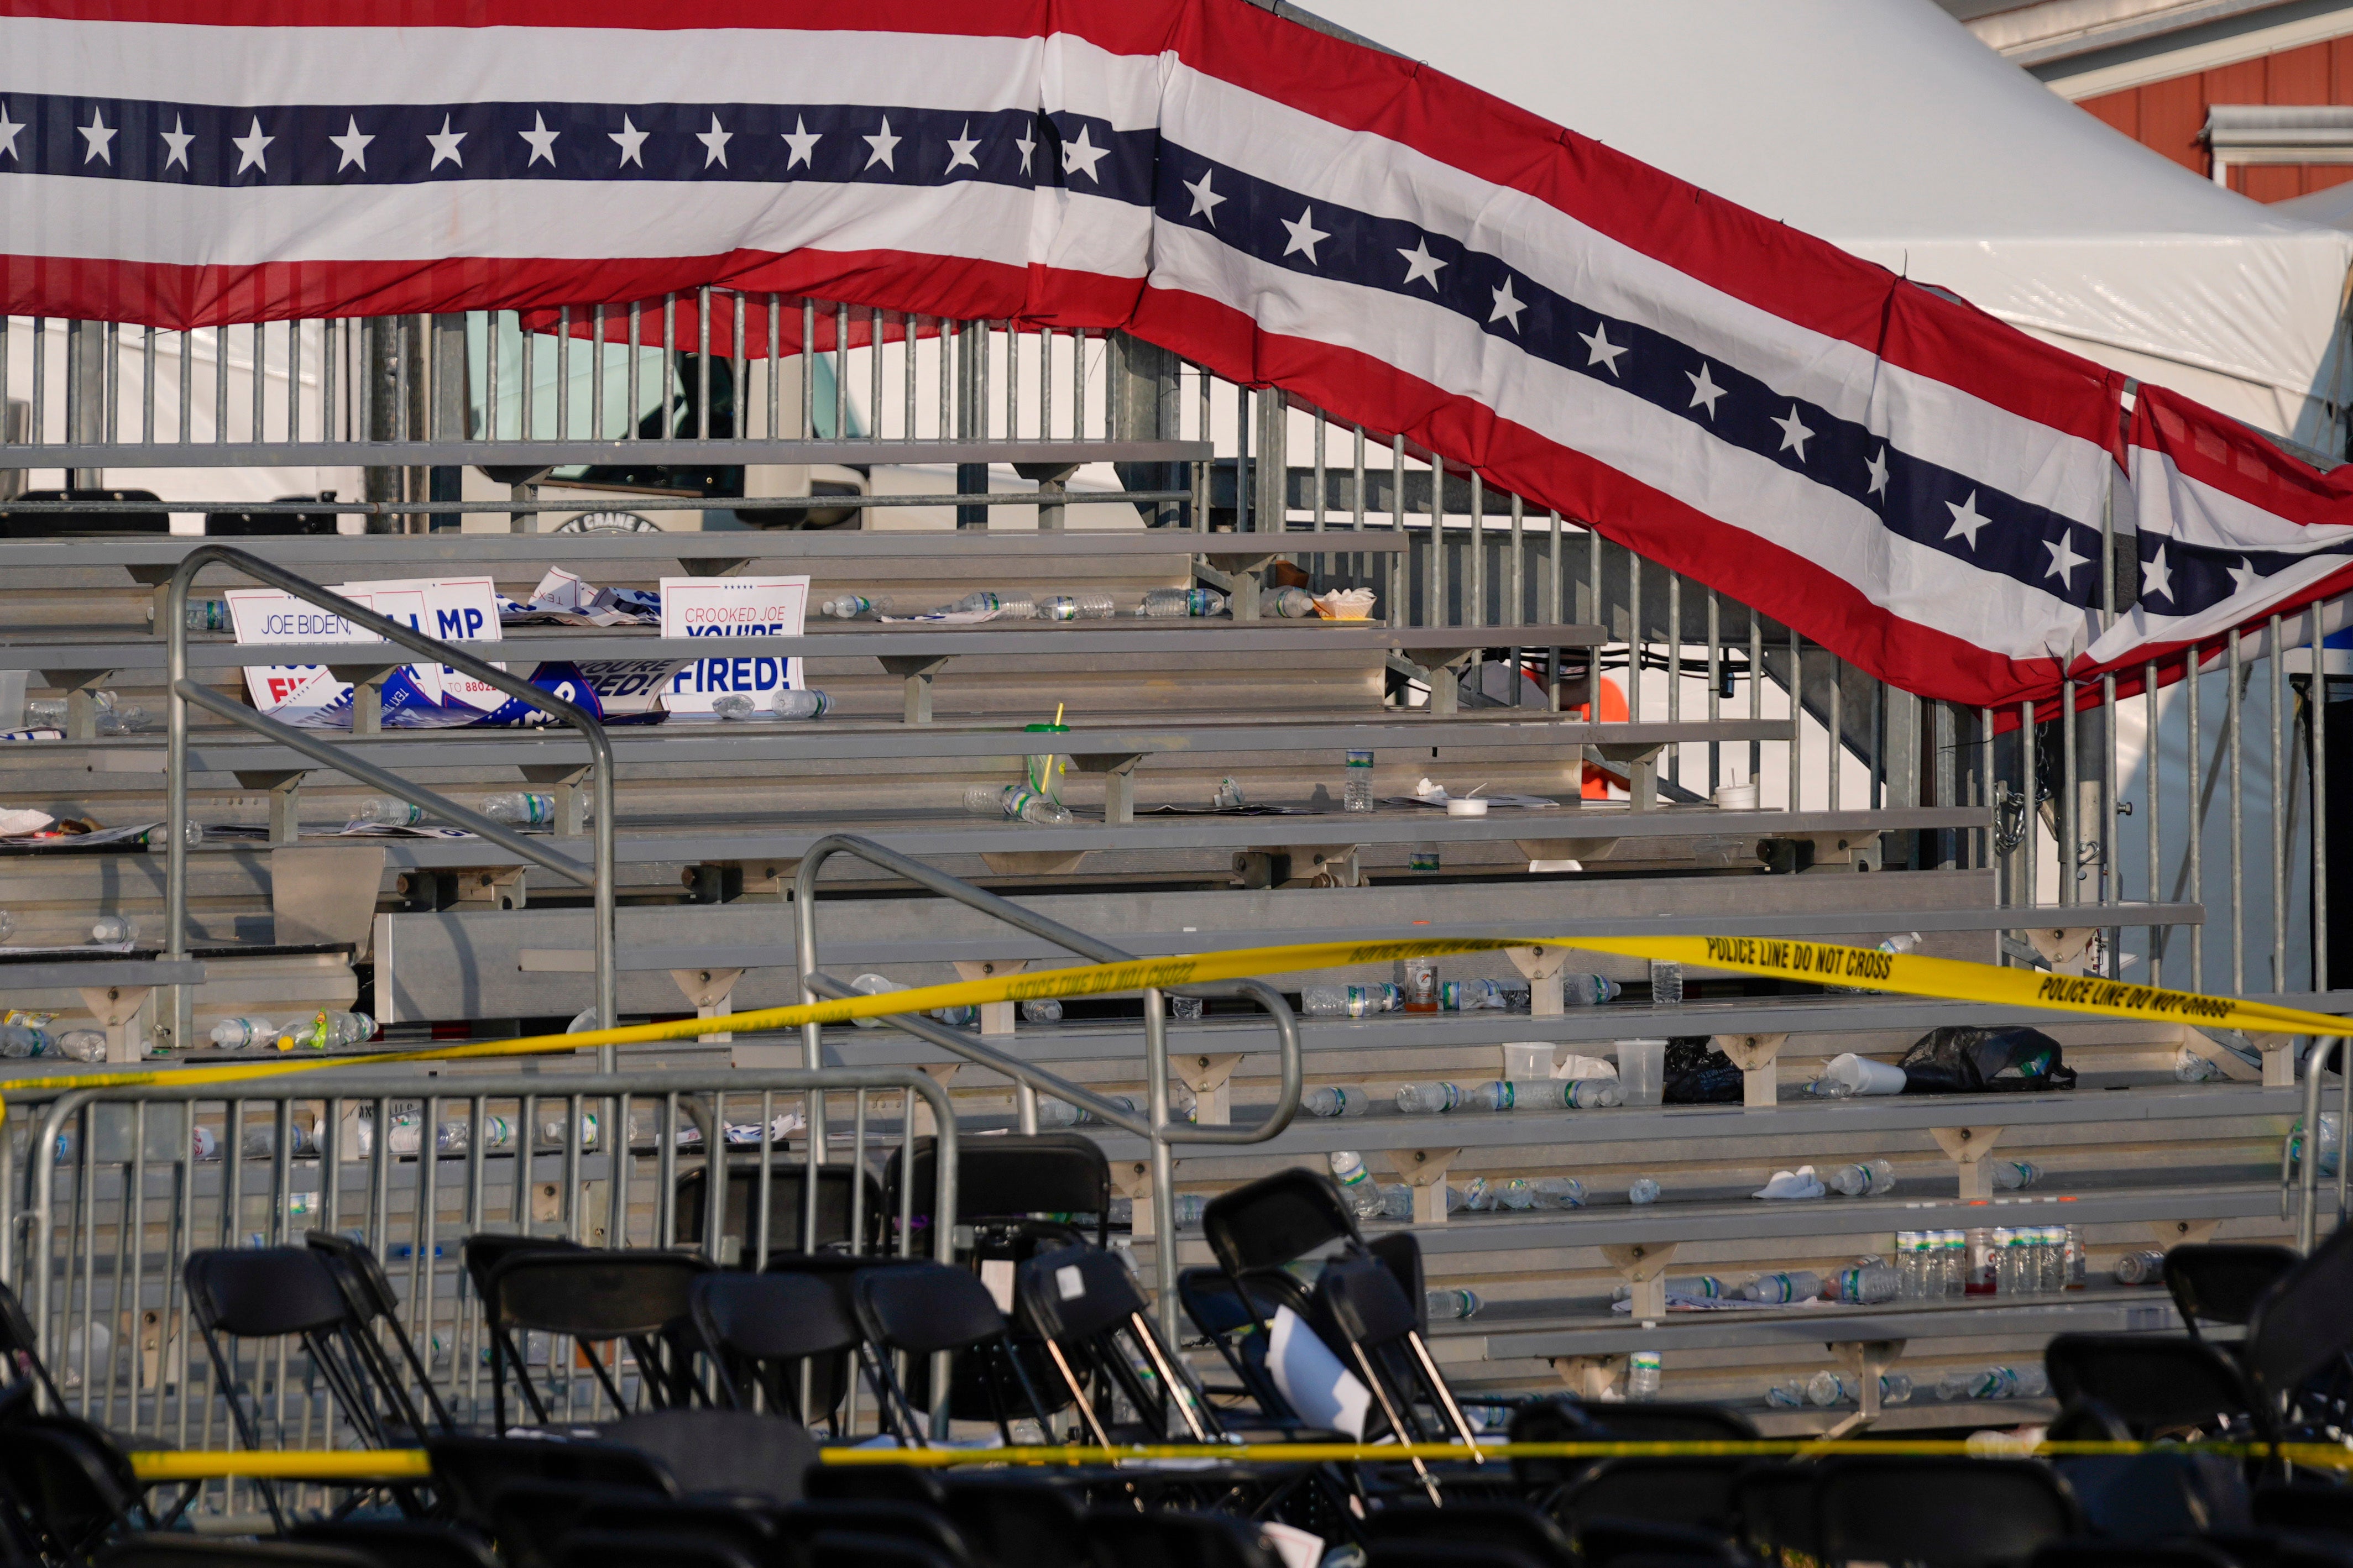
[(1642, 1070)]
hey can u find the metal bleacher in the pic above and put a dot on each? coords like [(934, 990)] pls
[(446, 939)]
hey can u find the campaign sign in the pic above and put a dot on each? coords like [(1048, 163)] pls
[(733, 607), (416, 697), (612, 691)]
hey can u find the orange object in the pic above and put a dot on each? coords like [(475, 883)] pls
[(1613, 711)]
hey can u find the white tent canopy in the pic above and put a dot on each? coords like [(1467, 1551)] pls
[(1884, 126)]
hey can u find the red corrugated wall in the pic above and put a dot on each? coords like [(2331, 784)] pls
[(2168, 115)]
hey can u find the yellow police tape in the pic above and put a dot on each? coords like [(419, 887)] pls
[(364, 1466), (1815, 962)]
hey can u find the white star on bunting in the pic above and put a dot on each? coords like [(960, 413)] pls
[(445, 146), (714, 144), (100, 138), (2155, 577), (885, 147), (1703, 389), (249, 148), (960, 149), (632, 143), (352, 144), (1027, 145), (1205, 199), (2243, 577), (1794, 433), (1877, 469), (2063, 561), (1506, 307), (1967, 521), (542, 139), (1083, 151), (175, 143), (8, 128), (803, 142), (1602, 350), (1420, 266), (1304, 235)]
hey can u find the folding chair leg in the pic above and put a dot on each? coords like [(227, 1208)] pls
[(250, 1435)]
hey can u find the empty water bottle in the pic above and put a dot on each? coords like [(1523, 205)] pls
[(1016, 801), (1292, 604), (1189, 1207), (1644, 1190), (1041, 1010), (849, 606), (1356, 1182), (7, 925), (243, 1033), (2012, 1175), (801, 703), (261, 1143), (1396, 1201), (1862, 1181), (1894, 1388), (1186, 1007), (207, 616), (1643, 1374), (1427, 1098), (1558, 1193), (1788, 1394), (1591, 1094), (1350, 1001), (81, 1046), (1470, 996), (1587, 990), (1015, 606), (329, 1031), (1867, 1285), (1666, 982), (1954, 1384), (1356, 792), (733, 705), (114, 929), (1450, 1306), (124, 721), (524, 808), (1086, 607), (1333, 1099), (1171, 603), (1781, 1289), (873, 985), (1828, 1388), (2141, 1269), (379, 812), (2189, 1067)]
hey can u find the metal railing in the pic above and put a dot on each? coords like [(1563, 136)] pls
[(315, 744), (114, 1188), (1155, 1125)]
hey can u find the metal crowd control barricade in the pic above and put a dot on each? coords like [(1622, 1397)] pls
[(1155, 1126), (314, 744), (117, 1186)]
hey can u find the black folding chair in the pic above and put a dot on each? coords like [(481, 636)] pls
[(1214, 1304), (647, 1548), (788, 1189), (785, 1339), (2299, 1333), (1012, 1519), (1418, 1553), (20, 1346), (1084, 1305), (2142, 1384), (752, 1532), (1501, 1525), (1694, 1490), (1945, 1513), (594, 1298), (1131, 1540), (929, 1309), (292, 1293), (399, 1543), (1008, 1188), (526, 1492), (480, 1254), (376, 1308), (1375, 1323), (2218, 1282), (923, 1527), (71, 1489), (739, 1452), (181, 1550)]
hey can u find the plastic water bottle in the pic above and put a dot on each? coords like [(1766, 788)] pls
[(2189, 1067), (1472, 995), (1171, 603), (1397, 1202), (378, 811), (114, 929), (1189, 1207), (21, 1040), (81, 1046), (261, 1143), (1828, 1388), (525, 809), (130, 721), (1357, 794), (1186, 1007), (1954, 1386), (1041, 1010), (2141, 1269), (7, 925), (849, 606), (2072, 1276), (1016, 605), (1591, 1094), (1350, 1001), (1790, 1393), (1558, 1193), (243, 1033), (1644, 1190), (1587, 990), (1332, 1099), (1802, 1284), (1356, 1182), (1018, 801), (206, 615), (801, 703), (1449, 1306), (734, 705), (873, 985), (1292, 604), (1894, 1388), (1642, 1375), (1666, 983), (1863, 1181), (1995, 1382), (1427, 1098), (1867, 1285), (1087, 607), (2010, 1175)]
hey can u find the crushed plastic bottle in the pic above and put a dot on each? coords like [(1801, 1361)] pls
[(1450, 1306), (1558, 1193), (1084, 606), (2141, 1269), (7, 925), (81, 1046), (243, 1033), (1357, 792), (1228, 796), (1588, 1094), (1189, 1207), (1790, 1393), (1356, 1182), (851, 606), (261, 1143), (1869, 1180), (327, 1031), (734, 705), (114, 929), (1644, 1190), (1041, 1010), (206, 615), (2189, 1067), (799, 703), (1173, 604), (1291, 604), (1350, 1001), (1666, 982), (378, 811), (1019, 801), (1588, 990), (520, 808), (1829, 1388), (1781, 1289), (1396, 1201), (1473, 996), (131, 721), (1427, 1098), (2010, 1175), (1828, 1088), (1053, 1112), (1015, 606), (1186, 1006), (1335, 1100), (873, 985)]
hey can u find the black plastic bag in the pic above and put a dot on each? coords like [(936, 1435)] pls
[(1963, 1060), (1699, 1074)]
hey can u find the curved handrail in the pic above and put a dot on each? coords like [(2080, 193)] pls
[(181, 691), (2307, 1221)]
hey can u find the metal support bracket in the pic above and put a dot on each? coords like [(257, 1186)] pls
[(1866, 1361), (285, 800), (571, 796), (1590, 1378), (1436, 666), (366, 682), (1118, 769), (1757, 1057), (710, 993), (80, 686), (1967, 1147), (1132, 1179), (1643, 1265), (1210, 1077), (494, 888), (114, 1006), (917, 670), (996, 1018), (1641, 765), (1542, 967), (1424, 1170)]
